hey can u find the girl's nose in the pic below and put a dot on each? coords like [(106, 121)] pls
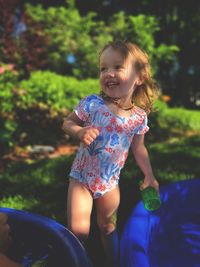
[(110, 73)]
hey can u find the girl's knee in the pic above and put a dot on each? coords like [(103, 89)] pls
[(108, 226), (81, 231)]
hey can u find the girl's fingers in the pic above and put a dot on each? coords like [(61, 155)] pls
[(153, 184), (87, 141), (93, 135), (96, 131), (89, 135)]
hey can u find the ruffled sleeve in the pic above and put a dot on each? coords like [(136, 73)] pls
[(143, 128), (82, 110)]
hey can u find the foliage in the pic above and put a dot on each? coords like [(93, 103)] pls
[(8, 125), (39, 186), (180, 120), (44, 36), (166, 122), (18, 202), (84, 36), (71, 34), (31, 108), (23, 41), (8, 81), (54, 92), (179, 24), (51, 176), (46, 98), (141, 29)]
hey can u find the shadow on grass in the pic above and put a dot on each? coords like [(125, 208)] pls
[(45, 181), (41, 187)]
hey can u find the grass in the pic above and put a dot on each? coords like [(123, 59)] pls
[(172, 160), (41, 186)]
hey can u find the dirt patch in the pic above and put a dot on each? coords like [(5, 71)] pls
[(29, 154), (64, 150)]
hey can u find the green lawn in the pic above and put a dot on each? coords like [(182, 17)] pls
[(41, 186)]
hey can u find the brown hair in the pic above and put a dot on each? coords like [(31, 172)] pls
[(146, 93)]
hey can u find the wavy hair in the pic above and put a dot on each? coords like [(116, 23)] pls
[(147, 91)]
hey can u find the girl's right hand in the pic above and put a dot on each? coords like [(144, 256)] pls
[(88, 134)]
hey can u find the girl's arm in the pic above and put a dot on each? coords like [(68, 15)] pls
[(142, 158), (73, 126)]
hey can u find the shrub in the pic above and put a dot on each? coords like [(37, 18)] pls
[(166, 122), (36, 106), (180, 120), (8, 125), (52, 91), (33, 110)]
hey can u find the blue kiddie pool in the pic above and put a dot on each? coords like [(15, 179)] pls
[(42, 240), (169, 236)]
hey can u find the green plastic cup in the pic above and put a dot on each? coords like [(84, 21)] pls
[(150, 197)]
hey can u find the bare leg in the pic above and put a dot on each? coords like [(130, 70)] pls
[(6, 262), (79, 208), (107, 206), (5, 241), (5, 238)]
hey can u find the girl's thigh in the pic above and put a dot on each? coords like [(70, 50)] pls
[(79, 206), (107, 206)]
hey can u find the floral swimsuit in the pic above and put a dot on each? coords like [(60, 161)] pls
[(98, 165)]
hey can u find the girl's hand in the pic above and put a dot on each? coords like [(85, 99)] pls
[(87, 135), (150, 181)]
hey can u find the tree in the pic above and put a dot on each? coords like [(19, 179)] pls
[(179, 23), (23, 41)]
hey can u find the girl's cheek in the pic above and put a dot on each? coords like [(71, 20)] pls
[(101, 83), (100, 79)]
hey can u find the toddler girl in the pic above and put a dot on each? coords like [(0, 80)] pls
[(107, 125)]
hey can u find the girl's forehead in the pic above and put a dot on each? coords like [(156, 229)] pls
[(109, 51), (111, 54)]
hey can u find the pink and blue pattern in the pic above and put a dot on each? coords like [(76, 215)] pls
[(98, 165)]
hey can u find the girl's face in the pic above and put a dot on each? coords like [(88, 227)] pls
[(117, 75)]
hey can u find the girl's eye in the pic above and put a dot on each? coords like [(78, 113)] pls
[(118, 67), (102, 69)]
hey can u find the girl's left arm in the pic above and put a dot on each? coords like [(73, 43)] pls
[(142, 158)]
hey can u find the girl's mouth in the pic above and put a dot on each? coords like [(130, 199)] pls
[(112, 84)]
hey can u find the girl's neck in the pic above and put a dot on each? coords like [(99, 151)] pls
[(122, 103)]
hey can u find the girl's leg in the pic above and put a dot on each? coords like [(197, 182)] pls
[(79, 208), (5, 237), (107, 206)]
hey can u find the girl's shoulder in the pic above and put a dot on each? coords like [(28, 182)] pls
[(140, 111), (95, 99)]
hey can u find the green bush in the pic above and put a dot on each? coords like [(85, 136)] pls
[(70, 33), (8, 125), (48, 98), (53, 91), (180, 120), (18, 202), (8, 82), (36, 106), (166, 122)]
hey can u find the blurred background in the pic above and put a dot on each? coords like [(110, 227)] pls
[(49, 61)]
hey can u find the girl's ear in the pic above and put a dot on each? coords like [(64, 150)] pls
[(138, 81)]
